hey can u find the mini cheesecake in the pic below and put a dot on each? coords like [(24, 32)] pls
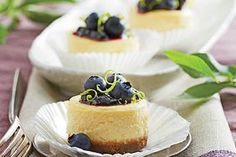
[(111, 129), (86, 45), (111, 113), (162, 19), (104, 33)]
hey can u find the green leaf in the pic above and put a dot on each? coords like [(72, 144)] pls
[(232, 70), (14, 23), (3, 34), (193, 73), (29, 2), (3, 7), (206, 89), (191, 64), (207, 60), (41, 16)]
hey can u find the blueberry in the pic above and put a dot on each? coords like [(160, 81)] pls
[(105, 100), (119, 77), (164, 4), (98, 36), (91, 21), (144, 8), (93, 81), (80, 140), (169, 4), (113, 28), (123, 91), (83, 32)]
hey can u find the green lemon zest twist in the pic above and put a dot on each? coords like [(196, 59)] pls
[(113, 84), (101, 20), (134, 99), (138, 95), (107, 73), (89, 97), (109, 89)]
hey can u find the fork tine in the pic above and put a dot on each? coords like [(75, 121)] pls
[(25, 151), (19, 145), (20, 148), (10, 132), (16, 141)]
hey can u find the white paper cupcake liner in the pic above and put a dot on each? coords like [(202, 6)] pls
[(168, 39), (173, 38), (166, 128), (101, 61)]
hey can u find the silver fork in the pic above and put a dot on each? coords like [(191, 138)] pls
[(19, 144), (15, 142), (15, 138)]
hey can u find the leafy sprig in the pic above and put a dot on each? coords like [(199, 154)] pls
[(12, 10), (201, 65)]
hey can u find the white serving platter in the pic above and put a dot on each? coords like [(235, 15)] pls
[(211, 19)]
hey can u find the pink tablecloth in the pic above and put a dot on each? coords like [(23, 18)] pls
[(14, 54)]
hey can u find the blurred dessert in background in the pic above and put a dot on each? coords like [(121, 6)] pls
[(104, 33), (161, 15)]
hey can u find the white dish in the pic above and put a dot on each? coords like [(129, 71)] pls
[(166, 128), (211, 19)]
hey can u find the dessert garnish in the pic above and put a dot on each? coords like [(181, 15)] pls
[(80, 140), (149, 5), (113, 89), (104, 27)]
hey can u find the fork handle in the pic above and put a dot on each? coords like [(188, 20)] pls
[(18, 93)]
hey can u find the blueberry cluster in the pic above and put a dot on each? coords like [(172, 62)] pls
[(149, 5), (99, 29), (111, 90)]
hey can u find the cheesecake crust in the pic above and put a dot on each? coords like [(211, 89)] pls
[(113, 147)]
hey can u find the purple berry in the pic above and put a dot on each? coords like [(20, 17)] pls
[(91, 21), (95, 81), (113, 28), (80, 140), (123, 91)]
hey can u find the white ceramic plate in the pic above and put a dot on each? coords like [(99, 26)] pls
[(166, 128)]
